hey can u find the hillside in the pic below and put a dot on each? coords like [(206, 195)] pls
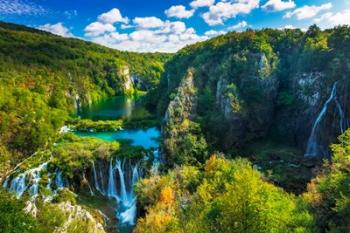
[(44, 78), (241, 87), (254, 134)]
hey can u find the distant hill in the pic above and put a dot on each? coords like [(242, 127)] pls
[(42, 77)]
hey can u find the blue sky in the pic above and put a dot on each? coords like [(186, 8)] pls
[(168, 25)]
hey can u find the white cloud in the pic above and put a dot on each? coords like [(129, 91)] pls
[(307, 12), (224, 10), (289, 26), (201, 3), (148, 22), (112, 16), (58, 29), (238, 26), (330, 19), (278, 5), (97, 28), (179, 11), (168, 37), (213, 33), (20, 7), (104, 23)]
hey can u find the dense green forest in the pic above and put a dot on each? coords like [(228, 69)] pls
[(235, 111), (43, 77)]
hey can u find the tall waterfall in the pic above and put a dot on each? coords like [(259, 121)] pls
[(111, 190), (121, 179), (313, 147)]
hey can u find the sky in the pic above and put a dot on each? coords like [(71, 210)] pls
[(168, 25)]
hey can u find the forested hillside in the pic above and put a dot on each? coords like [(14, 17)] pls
[(44, 78), (254, 134), (240, 92)]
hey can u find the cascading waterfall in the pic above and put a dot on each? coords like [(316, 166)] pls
[(29, 181), (313, 148), (118, 174), (97, 185), (111, 190)]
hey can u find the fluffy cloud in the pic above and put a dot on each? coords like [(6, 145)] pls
[(104, 23), (168, 36), (112, 16), (20, 7), (213, 33), (179, 11), (201, 3), (58, 29), (97, 28), (238, 26), (307, 12), (331, 19), (224, 10), (148, 22), (278, 5)]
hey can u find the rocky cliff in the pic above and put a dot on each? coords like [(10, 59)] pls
[(287, 86)]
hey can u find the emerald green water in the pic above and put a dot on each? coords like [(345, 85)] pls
[(117, 108), (110, 109), (148, 138)]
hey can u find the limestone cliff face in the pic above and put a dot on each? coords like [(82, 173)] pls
[(245, 102), (181, 108), (254, 105), (247, 118), (127, 79), (322, 108)]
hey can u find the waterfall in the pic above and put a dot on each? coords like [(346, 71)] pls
[(127, 206), (313, 147), (18, 185), (123, 195), (22, 182), (59, 180), (97, 185), (155, 163), (341, 115), (111, 191)]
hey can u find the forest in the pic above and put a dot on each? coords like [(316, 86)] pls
[(250, 127)]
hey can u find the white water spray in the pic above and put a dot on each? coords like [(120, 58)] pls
[(313, 148)]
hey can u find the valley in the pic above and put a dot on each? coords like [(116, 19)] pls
[(245, 132)]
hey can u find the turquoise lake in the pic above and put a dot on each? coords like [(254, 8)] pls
[(118, 108), (148, 138)]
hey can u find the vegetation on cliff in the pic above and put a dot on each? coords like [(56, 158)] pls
[(44, 78)]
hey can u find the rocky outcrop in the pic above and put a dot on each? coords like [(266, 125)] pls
[(128, 82), (78, 214), (181, 109)]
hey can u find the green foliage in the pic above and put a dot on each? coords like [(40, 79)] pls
[(86, 125), (41, 74), (329, 193), (228, 196), (12, 217), (49, 217), (73, 154)]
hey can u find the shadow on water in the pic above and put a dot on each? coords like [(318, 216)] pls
[(110, 109)]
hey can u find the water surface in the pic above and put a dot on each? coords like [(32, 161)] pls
[(147, 138)]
